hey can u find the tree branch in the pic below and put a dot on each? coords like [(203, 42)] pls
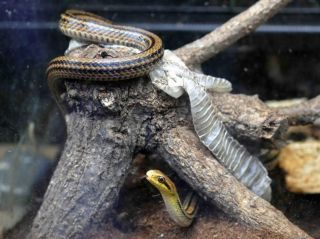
[(197, 52), (199, 168), (306, 112), (250, 120), (95, 161)]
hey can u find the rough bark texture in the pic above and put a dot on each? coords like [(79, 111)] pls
[(93, 166), (208, 177), (109, 122), (306, 112), (251, 120), (197, 52)]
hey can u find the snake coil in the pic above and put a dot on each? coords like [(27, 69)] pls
[(87, 27)]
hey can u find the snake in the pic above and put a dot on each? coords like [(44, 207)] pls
[(181, 213), (174, 78), (88, 27)]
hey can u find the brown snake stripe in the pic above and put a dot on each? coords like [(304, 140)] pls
[(88, 27)]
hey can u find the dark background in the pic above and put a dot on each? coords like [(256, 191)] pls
[(280, 60)]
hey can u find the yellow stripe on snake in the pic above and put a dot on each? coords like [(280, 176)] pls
[(182, 214), (87, 27)]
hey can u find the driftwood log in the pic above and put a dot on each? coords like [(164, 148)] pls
[(108, 123)]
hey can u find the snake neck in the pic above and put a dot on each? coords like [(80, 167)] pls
[(182, 214)]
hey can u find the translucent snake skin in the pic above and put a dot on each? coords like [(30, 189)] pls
[(214, 135), (171, 76), (87, 27)]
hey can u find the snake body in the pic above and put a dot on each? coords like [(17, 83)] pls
[(182, 213), (174, 78), (87, 27), (247, 168)]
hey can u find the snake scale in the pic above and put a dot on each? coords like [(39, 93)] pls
[(87, 27), (175, 78), (181, 213)]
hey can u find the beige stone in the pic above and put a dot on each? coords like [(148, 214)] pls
[(301, 162)]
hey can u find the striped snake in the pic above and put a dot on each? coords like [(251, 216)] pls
[(182, 214), (83, 26), (88, 27)]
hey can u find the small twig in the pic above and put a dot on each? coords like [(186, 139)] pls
[(211, 44), (306, 112)]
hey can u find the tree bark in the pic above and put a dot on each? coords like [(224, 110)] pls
[(203, 172), (307, 112), (109, 122), (94, 163)]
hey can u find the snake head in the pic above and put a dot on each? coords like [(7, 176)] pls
[(169, 74), (161, 182)]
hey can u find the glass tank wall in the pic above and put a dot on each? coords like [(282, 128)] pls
[(278, 61)]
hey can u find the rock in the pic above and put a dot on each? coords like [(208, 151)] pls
[(301, 162)]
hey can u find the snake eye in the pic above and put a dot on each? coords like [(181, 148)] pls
[(161, 179), (104, 54)]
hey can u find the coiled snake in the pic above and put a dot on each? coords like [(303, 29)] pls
[(88, 27)]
